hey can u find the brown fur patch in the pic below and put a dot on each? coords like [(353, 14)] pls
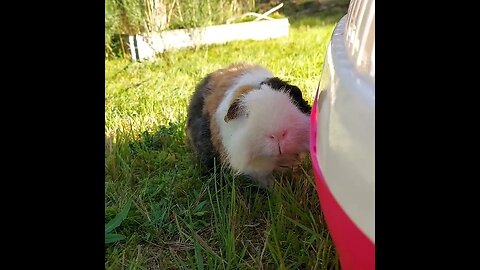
[(220, 81), (242, 90), (235, 109)]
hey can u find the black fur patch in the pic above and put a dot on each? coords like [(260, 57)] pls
[(294, 92), (198, 127)]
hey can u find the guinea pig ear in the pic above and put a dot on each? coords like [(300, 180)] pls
[(236, 110), (280, 85)]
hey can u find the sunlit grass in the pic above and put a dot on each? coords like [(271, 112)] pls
[(180, 219)]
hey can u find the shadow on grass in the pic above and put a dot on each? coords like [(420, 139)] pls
[(181, 219), (173, 203)]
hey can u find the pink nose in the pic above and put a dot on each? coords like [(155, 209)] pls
[(279, 136)]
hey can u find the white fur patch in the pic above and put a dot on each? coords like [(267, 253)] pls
[(252, 77)]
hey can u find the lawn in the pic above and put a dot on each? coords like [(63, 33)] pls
[(179, 219)]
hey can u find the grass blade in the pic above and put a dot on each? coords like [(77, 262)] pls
[(113, 237), (198, 257), (304, 227), (115, 222)]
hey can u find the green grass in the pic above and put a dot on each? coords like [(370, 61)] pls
[(179, 219)]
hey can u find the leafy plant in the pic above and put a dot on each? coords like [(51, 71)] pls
[(131, 17), (114, 223)]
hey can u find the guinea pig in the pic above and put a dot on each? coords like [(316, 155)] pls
[(244, 117)]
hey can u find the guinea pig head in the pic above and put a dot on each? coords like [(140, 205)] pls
[(272, 124)]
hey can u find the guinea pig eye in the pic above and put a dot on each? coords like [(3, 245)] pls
[(271, 137)]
